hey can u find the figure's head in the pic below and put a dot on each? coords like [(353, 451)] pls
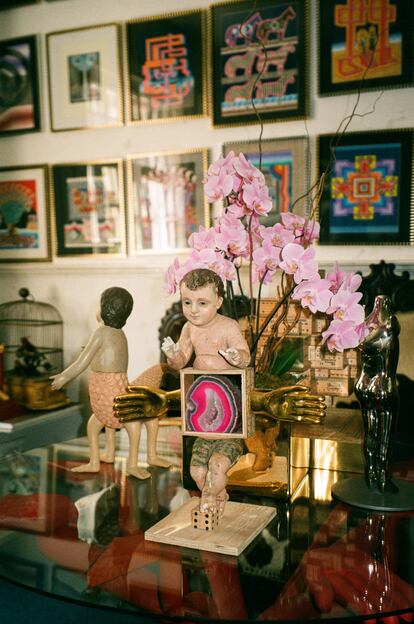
[(116, 306), (202, 293)]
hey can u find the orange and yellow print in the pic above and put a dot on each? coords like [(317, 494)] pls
[(367, 50)]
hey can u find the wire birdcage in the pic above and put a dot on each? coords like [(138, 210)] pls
[(32, 334)]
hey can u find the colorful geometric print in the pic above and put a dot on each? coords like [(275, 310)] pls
[(365, 189)]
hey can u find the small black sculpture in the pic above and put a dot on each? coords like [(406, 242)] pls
[(377, 392)]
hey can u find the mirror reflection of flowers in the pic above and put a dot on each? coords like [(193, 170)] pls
[(284, 249)]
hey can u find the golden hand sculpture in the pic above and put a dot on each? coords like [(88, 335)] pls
[(291, 403)]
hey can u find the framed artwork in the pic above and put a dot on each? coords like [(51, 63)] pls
[(285, 166), (365, 45), (85, 78), (89, 208), (24, 214), (19, 90), (367, 197), (216, 405), (166, 77), (166, 199), (259, 61)]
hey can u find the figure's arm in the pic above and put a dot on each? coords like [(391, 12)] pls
[(178, 353), (237, 353), (80, 364)]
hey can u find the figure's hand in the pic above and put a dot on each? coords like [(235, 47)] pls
[(294, 403), (144, 402), (58, 381), (169, 347), (232, 356)]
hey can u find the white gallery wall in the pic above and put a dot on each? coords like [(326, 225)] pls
[(74, 285)]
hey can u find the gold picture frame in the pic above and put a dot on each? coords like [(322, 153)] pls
[(25, 223), (166, 67), (88, 208), (166, 199), (85, 77)]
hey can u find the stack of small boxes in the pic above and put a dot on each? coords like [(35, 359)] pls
[(330, 374)]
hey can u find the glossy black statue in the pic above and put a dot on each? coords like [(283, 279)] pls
[(377, 392)]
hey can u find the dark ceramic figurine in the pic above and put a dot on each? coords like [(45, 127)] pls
[(376, 390)]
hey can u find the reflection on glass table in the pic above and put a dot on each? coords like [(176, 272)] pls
[(81, 536)]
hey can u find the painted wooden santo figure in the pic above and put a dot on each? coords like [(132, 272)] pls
[(218, 344), (107, 355)]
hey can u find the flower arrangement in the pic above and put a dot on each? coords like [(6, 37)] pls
[(284, 249)]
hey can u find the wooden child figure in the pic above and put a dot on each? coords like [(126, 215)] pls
[(218, 343), (107, 355)]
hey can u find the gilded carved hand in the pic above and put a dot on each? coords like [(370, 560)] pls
[(292, 403)]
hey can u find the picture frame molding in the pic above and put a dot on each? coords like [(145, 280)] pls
[(410, 185), (133, 200), (47, 216), (122, 208), (33, 42), (119, 81), (374, 84), (306, 69), (204, 68)]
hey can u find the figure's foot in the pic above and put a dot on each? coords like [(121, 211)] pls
[(208, 503), (138, 473), (221, 503), (107, 457), (154, 460), (89, 467)]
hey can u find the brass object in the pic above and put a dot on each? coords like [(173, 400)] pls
[(289, 403)]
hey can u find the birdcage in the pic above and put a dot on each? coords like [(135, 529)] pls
[(32, 334)]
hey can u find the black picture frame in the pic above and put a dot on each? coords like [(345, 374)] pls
[(19, 88), (367, 197), (89, 209), (375, 51), (269, 61), (166, 72)]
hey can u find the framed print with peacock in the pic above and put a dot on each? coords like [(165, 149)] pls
[(24, 214), (368, 193), (259, 61), (89, 211), (166, 67), (85, 86), (284, 164), (19, 90), (365, 44)]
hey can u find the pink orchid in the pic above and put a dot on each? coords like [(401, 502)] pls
[(266, 257), (336, 277), (341, 335), (345, 307), (262, 274), (311, 231), (222, 164), (277, 234), (171, 277), (246, 170), (342, 279), (256, 197), (203, 238), (218, 186), (233, 240), (292, 221), (313, 294), (299, 262)]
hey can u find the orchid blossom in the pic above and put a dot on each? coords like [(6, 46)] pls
[(285, 246)]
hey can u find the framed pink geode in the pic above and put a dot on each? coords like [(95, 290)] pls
[(216, 403)]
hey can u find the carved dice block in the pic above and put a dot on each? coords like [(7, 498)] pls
[(204, 520)]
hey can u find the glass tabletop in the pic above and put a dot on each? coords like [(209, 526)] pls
[(81, 537)]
